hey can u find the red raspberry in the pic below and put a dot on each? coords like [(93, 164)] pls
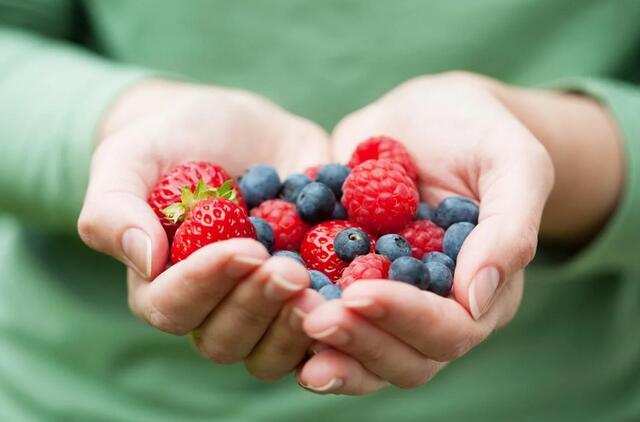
[(365, 267), (380, 196), (288, 227), (424, 236), (317, 248), (312, 172), (385, 148)]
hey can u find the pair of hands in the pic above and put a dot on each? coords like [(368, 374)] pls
[(243, 305)]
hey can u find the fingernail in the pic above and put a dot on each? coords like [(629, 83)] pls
[(136, 246), (279, 288), (332, 385), (482, 290), (240, 265), (333, 335), (296, 318), (366, 307)]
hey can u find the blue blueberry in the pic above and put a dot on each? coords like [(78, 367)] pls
[(315, 203), (393, 246), (264, 232), (292, 186), (440, 278), (318, 280), (331, 292), (456, 209), (290, 254), (409, 270), (333, 176), (350, 243), (439, 257), (424, 212), (339, 213), (258, 184), (454, 238)]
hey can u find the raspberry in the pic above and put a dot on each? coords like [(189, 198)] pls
[(317, 248), (288, 227), (384, 147), (365, 267), (312, 172), (380, 196), (423, 236)]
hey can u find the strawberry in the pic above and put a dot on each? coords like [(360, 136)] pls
[(365, 267), (169, 190), (285, 222), (423, 236), (380, 196), (385, 148)]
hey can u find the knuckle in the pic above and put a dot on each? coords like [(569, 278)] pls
[(262, 372), (87, 228), (160, 321), (414, 379), (217, 353)]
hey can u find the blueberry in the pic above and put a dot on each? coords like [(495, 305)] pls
[(333, 176), (264, 232), (315, 203), (454, 238), (339, 213), (331, 292), (290, 254), (439, 257), (318, 280), (393, 246), (424, 212), (292, 186), (258, 184), (409, 270), (456, 209), (440, 278), (350, 243)]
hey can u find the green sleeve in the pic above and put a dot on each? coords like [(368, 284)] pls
[(52, 96)]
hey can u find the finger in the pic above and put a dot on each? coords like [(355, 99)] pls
[(378, 351), (285, 344), (236, 325), (180, 298), (333, 372)]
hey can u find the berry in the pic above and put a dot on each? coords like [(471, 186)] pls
[(331, 292), (288, 228), (350, 243), (423, 236), (339, 213), (440, 278), (315, 203), (318, 280), (383, 147), (312, 172), (365, 267), (317, 248), (169, 190), (290, 254), (409, 270), (393, 246), (210, 220), (440, 258), (259, 183), (456, 209), (424, 212), (333, 175), (292, 186), (454, 238), (264, 232), (380, 196)]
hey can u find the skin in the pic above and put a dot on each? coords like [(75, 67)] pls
[(523, 155)]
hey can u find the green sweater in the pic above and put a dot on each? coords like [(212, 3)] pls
[(69, 348)]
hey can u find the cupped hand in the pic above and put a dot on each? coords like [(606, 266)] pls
[(464, 142), (240, 304)]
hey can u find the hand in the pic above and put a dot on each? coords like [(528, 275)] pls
[(242, 305)]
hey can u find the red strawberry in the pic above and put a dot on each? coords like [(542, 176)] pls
[(365, 267), (312, 172), (423, 236), (317, 248), (169, 189), (210, 220), (288, 227), (380, 196), (385, 148)]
